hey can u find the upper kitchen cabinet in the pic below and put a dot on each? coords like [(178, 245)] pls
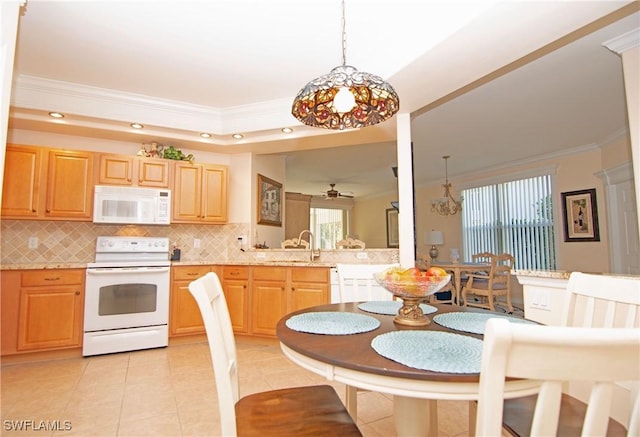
[(133, 171), (47, 184), (200, 193)]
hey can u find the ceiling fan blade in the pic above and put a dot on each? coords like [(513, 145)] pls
[(348, 196)]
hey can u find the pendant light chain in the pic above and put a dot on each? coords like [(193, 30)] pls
[(345, 98), (344, 37)]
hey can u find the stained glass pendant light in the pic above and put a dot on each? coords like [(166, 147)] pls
[(345, 98)]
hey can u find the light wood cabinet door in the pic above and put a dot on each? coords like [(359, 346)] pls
[(187, 193), (23, 190), (9, 311), (236, 284), (214, 194), (133, 171), (269, 304), (69, 186), (115, 170), (153, 173), (200, 193), (310, 286), (184, 314), (51, 309)]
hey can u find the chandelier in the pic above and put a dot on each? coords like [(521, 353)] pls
[(345, 98), (446, 205)]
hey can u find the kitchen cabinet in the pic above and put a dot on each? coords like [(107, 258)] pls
[(268, 298), (309, 287), (47, 184), (42, 310), (184, 314), (199, 193), (133, 171), (235, 282)]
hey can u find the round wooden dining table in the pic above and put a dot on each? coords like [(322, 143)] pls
[(350, 359)]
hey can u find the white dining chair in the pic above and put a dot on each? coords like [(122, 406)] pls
[(554, 355), (594, 301), (298, 411), (356, 282)]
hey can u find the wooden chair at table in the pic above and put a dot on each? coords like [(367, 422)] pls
[(554, 355), (592, 301), (488, 287), (424, 263), (298, 411)]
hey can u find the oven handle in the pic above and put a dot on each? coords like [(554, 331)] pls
[(115, 271)]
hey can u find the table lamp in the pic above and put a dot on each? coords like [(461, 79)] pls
[(434, 238)]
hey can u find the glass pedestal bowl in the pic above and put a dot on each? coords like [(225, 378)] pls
[(412, 290)]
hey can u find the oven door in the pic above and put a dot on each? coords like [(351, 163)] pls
[(126, 297)]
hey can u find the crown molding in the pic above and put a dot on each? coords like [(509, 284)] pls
[(624, 42), (47, 95)]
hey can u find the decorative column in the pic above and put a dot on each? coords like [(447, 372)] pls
[(405, 191), (628, 47)]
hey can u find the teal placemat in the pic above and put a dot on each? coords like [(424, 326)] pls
[(390, 307), (431, 350), (332, 323), (471, 322)]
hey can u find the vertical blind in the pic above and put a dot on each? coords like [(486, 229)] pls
[(514, 217), (328, 226)]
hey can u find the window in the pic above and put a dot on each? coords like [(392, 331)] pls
[(514, 217), (328, 226)]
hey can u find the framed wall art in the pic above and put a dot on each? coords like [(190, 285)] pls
[(392, 228), (269, 201), (580, 216)]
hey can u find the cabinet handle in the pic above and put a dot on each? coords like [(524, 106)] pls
[(234, 273), (34, 210), (192, 274), (57, 278), (77, 293), (48, 210)]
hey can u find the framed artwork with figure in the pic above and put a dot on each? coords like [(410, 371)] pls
[(269, 201), (580, 216)]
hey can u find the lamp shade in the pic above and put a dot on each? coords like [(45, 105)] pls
[(435, 238)]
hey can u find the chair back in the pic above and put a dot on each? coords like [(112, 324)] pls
[(209, 296), (606, 301), (500, 273), (554, 355), (356, 282), (482, 257), (350, 243)]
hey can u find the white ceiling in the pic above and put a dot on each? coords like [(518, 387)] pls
[(227, 66)]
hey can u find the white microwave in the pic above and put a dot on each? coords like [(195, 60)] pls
[(131, 205)]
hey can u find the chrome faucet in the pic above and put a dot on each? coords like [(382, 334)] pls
[(315, 253)]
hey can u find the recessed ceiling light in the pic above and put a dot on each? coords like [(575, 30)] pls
[(136, 125), (238, 136), (287, 130), (205, 135), (56, 115)]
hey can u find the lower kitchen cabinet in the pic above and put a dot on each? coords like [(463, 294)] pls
[(235, 282), (268, 299), (184, 314), (310, 286), (42, 310)]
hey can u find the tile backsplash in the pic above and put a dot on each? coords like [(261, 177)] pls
[(63, 242), (75, 242)]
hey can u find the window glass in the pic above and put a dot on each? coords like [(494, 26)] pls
[(514, 217), (328, 226)]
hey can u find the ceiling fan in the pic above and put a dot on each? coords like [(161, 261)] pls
[(332, 193)]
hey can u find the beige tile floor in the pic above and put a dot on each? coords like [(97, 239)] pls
[(166, 392)]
